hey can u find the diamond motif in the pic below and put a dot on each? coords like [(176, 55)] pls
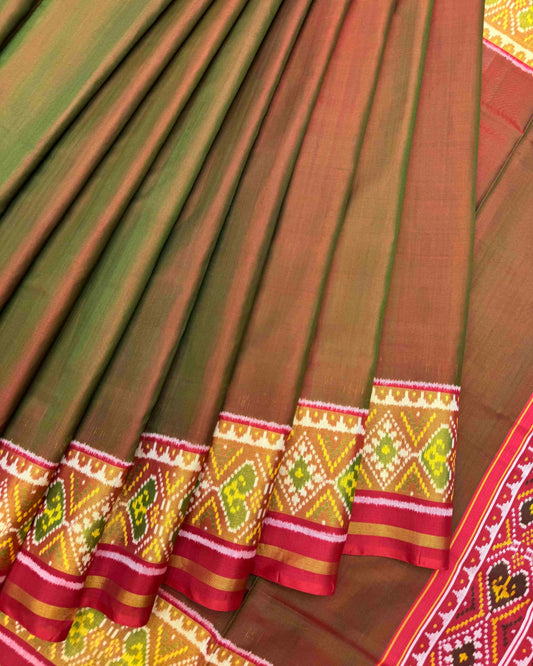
[(299, 473), (385, 450), (347, 481)]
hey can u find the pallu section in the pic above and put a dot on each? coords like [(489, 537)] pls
[(403, 501), (507, 96), (24, 478), (47, 574), (479, 611), (305, 528), (175, 635)]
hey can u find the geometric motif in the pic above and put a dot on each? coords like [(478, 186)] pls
[(318, 474), (409, 448), (175, 635), (69, 522), (23, 480), (236, 480), (153, 501), (480, 611), (509, 27)]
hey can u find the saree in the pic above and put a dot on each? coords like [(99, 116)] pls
[(239, 248)]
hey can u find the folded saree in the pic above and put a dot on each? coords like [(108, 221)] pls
[(236, 250), (376, 600)]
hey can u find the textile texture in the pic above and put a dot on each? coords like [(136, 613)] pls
[(264, 271)]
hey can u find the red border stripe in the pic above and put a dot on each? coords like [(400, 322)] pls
[(255, 423), (417, 386), (19, 651), (463, 537)]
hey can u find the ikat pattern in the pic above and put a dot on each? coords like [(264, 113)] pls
[(74, 510), (173, 636), (409, 446), (485, 614), (509, 26), (318, 474), (154, 499), (23, 481), (237, 479)]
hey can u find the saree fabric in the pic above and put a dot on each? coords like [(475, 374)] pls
[(374, 598), (235, 256)]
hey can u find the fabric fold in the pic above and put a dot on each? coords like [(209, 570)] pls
[(227, 510), (99, 217), (307, 523), (68, 66), (33, 215), (86, 343), (236, 239), (409, 449)]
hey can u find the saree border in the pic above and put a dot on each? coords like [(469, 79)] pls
[(401, 644)]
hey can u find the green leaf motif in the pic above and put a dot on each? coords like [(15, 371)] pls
[(135, 650), (299, 474), (234, 494), (347, 481), (434, 457), (93, 533), (525, 19), (85, 621), (138, 508), (53, 513), (385, 450)]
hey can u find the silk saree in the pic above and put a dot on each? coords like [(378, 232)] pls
[(241, 242)]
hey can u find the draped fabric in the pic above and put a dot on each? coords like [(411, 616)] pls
[(378, 599), (236, 256)]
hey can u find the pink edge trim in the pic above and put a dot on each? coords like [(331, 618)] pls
[(135, 564), (180, 444), (255, 423), (216, 544), (56, 578), (31, 457), (417, 386), (211, 629), (99, 455), (507, 56), (278, 520), (341, 409), (25, 652)]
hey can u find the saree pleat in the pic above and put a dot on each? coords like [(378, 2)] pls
[(305, 530), (84, 144), (50, 287), (235, 253), (403, 500), (249, 438), (66, 65), (95, 324), (154, 334), (12, 12)]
